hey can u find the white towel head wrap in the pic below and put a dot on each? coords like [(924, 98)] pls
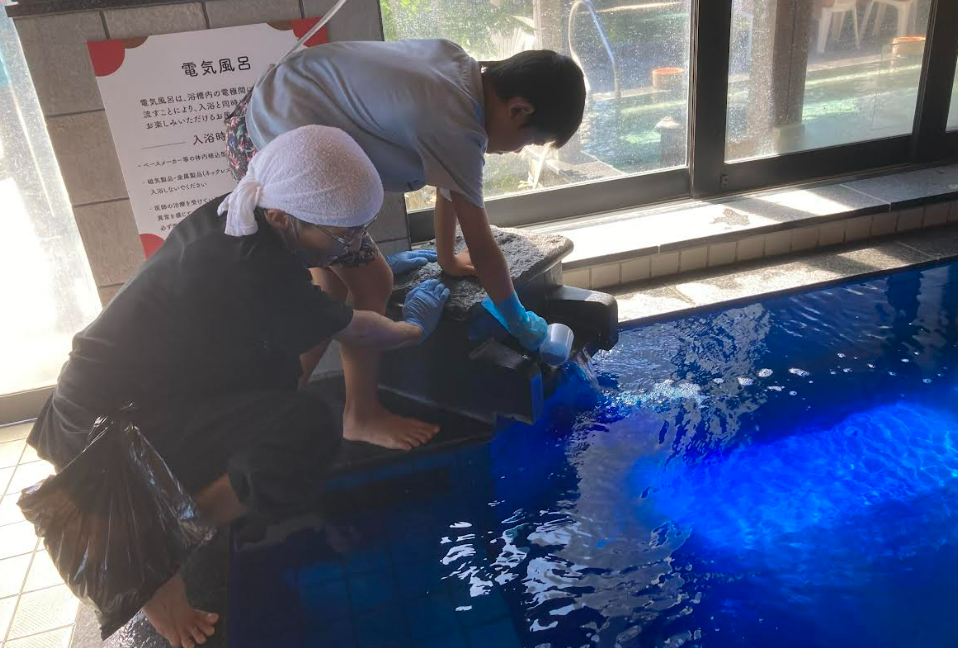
[(317, 174)]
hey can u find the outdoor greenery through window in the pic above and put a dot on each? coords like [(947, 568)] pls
[(817, 73), (636, 61)]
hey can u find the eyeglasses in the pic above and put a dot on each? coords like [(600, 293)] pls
[(355, 234)]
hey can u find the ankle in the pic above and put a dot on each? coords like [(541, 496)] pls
[(358, 412)]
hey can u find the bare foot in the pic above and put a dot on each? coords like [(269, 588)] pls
[(174, 618), (379, 426)]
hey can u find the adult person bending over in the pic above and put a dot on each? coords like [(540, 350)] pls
[(425, 113), (206, 340)]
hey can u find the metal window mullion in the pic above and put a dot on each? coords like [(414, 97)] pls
[(935, 89), (711, 30)]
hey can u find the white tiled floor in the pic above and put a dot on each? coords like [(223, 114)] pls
[(858, 229), (606, 275), (693, 259), (722, 254), (804, 238), (665, 264), (36, 609), (778, 243), (751, 248), (636, 270), (831, 234)]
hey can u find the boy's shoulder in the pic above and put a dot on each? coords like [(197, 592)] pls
[(430, 47)]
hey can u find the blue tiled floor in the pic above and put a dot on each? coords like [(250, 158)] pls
[(454, 640), (367, 600), (371, 590), (430, 616), (420, 579), (334, 634), (382, 628), (404, 593), (325, 600), (500, 634), (367, 561), (320, 572), (481, 609)]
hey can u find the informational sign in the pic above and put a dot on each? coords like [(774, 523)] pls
[(167, 98)]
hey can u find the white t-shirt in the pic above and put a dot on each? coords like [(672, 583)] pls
[(415, 107)]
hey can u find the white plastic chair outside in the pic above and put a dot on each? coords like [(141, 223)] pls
[(907, 15), (840, 10)]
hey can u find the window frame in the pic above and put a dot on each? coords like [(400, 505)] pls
[(714, 176), (708, 174), (569, 201)]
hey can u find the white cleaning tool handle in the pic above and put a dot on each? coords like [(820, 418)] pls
[(557, 346), (322, 22)]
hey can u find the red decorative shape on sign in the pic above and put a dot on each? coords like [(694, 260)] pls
[(107, 56), (303, 25), (151, 243)]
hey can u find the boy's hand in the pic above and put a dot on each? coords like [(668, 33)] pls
[(458, 266), (524, 325)]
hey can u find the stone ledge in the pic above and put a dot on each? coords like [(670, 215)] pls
[(694, 234), (630, 234), (681, 296)]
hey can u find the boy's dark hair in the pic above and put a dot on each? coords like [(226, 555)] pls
[(551, 82)]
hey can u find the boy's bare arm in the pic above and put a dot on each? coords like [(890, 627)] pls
[(490, 263), (457, 265)]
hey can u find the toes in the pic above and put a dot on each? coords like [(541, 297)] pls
[(198, 635), (187, 641), (419, 439), (205, 620), (417, 432), (205, 627), (424, 426)]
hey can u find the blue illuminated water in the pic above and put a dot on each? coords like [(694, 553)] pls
[(777, 474)]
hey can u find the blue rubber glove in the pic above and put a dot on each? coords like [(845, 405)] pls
[(401, 262), (424, 304), (525, 326)]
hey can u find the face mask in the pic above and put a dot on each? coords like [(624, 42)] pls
[(308, 259)]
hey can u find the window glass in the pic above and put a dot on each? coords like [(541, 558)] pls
[(46, 290), (635, 57), (953, 112), (818, 73)]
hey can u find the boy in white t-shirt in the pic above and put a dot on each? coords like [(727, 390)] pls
[(425, 113)]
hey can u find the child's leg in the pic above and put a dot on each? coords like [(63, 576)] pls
[(369, 281), (333, 286)]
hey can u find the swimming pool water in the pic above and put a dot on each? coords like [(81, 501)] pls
[(780, 474)]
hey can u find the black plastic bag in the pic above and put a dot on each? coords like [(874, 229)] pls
[(115, 521)]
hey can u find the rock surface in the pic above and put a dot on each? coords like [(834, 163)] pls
[(527, 253)]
